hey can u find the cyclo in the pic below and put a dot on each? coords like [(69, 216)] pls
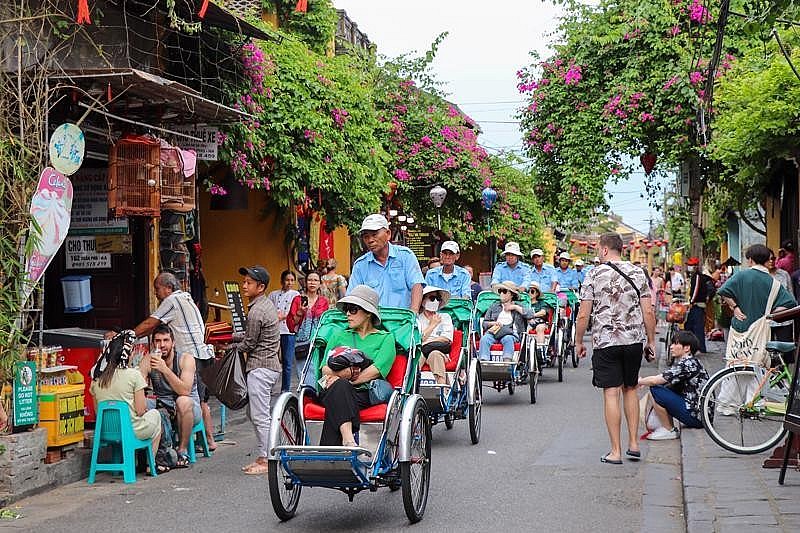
[(462, 398), (394, 441), (548, 354), (502, 374), (569, 304)]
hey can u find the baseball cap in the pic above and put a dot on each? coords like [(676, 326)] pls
[(565, 255), (536, 251), (451, 246), (578, 262), (374, 222), (257, 272)]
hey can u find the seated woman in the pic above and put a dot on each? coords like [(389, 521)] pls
[(347, 391), (505, 322), (113, 380), (676, 391), (539, 310), (437, 331)]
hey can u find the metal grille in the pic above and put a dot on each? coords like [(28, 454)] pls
[(243, 8), (134, 181), (177, 191)]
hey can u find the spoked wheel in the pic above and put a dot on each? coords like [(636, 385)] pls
[(737, 416), (560, 363), (474, 409), (511, 388), (559, 341), (668, 342), (533, 372), (416, 473), (448, 421), (284, 495)]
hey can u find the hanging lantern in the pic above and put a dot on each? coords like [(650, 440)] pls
[(392, 191), (665, 240), (648, 160), (583, 243), (633, 242), (488, 198), (572, 241), (438, 194)]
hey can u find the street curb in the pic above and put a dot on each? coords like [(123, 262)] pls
[(662, 492)]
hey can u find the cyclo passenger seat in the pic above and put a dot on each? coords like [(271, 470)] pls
[(455, 349), (781, 346)]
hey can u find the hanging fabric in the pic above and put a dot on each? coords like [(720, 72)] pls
[(313, 239), (83, 13), (202, 12), (302, 6), (325, 241)]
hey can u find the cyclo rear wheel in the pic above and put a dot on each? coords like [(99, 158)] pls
[(283, 495), (731, 421), (533, 369), (415, 474), (474, 410)]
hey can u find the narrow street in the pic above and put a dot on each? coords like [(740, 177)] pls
[(537, 467)]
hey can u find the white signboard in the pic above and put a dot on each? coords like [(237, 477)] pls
[(207, 148), (90, 204), (82, 254)]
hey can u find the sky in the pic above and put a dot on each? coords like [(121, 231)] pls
[(487, 43)]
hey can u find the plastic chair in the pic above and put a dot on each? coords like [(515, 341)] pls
[(114, 428), (200, 428)]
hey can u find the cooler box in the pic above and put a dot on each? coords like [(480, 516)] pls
[(61, 413), (77, 293)]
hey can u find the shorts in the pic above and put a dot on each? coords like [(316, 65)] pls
[(202, 390), (616, 366)]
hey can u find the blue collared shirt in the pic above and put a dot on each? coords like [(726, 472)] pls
[(518, 274), (393, 281), (458, 282), (544, 277), (581, 275), (567, 279)]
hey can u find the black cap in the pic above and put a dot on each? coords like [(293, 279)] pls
[(257, 272)]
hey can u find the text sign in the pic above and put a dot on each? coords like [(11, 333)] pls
[(234, 296), (206, 148), (421, 243), (26, 401), (82, 254), (90, 204)]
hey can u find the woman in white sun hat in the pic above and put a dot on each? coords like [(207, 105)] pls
[(504, 322)]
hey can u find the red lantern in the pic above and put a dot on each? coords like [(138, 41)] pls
[(633, 242), (665, 240), (637, 246), (583, 243), (648, 160), (572, 241)]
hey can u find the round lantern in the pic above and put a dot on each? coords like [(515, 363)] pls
[(488, 198)]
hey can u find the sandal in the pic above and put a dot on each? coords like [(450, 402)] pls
[(606, 460), (182, 462), (160, 469), (257, 469)]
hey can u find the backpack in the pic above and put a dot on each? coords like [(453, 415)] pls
[(710, 286)]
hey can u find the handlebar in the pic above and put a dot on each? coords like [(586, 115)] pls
[(786, 314)]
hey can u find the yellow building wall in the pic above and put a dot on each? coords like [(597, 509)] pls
[(773, 218), (241, 237)]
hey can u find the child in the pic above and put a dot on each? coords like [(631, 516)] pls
[(676, 391)]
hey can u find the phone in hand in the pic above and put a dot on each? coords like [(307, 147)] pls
[(304, 301), (649, 354)]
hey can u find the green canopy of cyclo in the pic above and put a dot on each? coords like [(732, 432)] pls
[(460, 310), (487, 298), (401, 322)]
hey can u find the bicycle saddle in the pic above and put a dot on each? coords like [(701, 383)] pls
[(780, 346)]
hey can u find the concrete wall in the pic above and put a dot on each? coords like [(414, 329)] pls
[(238, 237)]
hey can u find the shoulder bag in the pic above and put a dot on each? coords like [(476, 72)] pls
[(751, 345)]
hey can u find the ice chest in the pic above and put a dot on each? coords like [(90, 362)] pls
[(77, 293), (61, 413)]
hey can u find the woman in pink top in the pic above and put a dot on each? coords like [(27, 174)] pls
[(304, 315), (787, 258)]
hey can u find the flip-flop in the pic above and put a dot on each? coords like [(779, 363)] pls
[(605, 459), (634, 455), (182, 462)]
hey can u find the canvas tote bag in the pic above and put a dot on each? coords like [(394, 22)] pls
[(751, 345)]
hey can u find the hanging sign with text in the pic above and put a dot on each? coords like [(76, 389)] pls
[(207, 147), (82, 254)]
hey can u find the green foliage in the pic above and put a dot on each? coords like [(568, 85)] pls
[(316, 28), (624, 80), (313, 141)]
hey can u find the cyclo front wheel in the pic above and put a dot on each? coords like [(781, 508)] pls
[(736, 414), (415, 474), (284, 495)]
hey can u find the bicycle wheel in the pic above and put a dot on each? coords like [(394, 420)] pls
[(668, 343), (284, 495), (415, 474), (736, 415)]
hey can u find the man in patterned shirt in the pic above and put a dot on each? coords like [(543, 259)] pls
[(676, 391), (617, 297)]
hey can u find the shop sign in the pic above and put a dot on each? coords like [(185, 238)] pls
[(82, 254), (421, 243), (234, 295), (206, 148), (67, 146), (114, 244), (26, 402), (90, 205), (50, 214)]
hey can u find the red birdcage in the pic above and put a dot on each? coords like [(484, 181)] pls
[(134, 177)]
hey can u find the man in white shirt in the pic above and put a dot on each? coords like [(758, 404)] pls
[(677, 282)]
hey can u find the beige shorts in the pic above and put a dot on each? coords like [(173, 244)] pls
[(150, 425)]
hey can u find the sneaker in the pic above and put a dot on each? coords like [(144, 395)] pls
[(663, 434)]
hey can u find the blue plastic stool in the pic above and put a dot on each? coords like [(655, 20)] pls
[(200, 428), (113, 428)]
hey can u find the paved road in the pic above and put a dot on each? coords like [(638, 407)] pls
[(537, 467)]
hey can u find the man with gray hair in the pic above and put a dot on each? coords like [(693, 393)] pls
[(178, 311)]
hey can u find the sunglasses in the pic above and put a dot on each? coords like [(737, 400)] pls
[(502, 291), (350, 309), (434, 298)]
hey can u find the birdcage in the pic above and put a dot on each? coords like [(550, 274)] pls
[(177, 190), (134, 177)]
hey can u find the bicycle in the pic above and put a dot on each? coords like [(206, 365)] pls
[(669, 334), (742, 406)]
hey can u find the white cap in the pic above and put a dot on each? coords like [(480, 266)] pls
[(596, 259), (512, 248), (564, 255), (537, 251), (374, 222), (451, 246), (579, 262)]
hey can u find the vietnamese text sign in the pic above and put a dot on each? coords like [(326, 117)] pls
[(207, 148), (26, 402), (421, 243), (82, 254), (234, 296), (90, 204)]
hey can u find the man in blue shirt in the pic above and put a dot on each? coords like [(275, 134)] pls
[(391, 270), (580, 271), (450, 276), (541, 273), (512, 269), (566, 277)]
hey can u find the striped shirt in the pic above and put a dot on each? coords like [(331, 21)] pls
[(180, 313)]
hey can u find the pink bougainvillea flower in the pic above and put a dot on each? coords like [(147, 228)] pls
[(672, 81), (548, 147), (426, 141), (696, 77), (647, 117), (698, 12), (675, 30), (402, 175), (217, 190), (573, 75)]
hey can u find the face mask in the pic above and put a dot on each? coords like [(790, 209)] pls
[(431, 306), (690, 269)]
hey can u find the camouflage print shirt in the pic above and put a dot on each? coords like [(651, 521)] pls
[(616, 313)]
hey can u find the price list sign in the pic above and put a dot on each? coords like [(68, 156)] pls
[(421, 243), (234, 295)]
